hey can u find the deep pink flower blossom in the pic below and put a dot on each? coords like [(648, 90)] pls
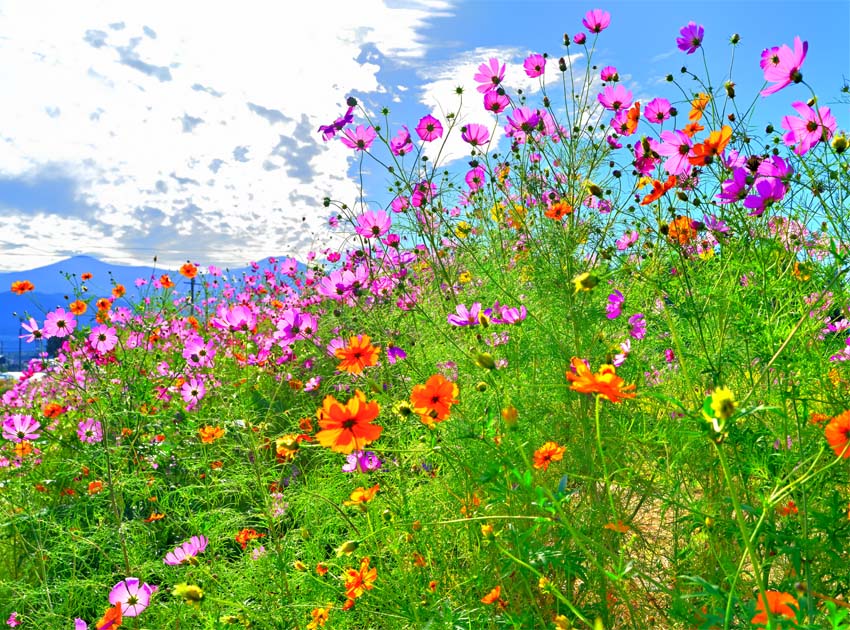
[(329, 131), (812, 127), (614, 308), (476, 178), (615, 98), (735, 189), (185, 553), (133, 595), (361, 461), (535, 65), (490, 75), (360, 139), (690, 38), (579, 38), (429, 128), (781, 65), (638, 326), (495, 102), (19, 427), (235, 318), (423, 192), (90, 431), (373, 223), (657, 110), (676, 146), (198, 353), (33, 330), (399, 204), (471, 316), (596, 20), (103, 338), (475, 134), (401, 144), (609, 73), (769, 191), (59, 324)]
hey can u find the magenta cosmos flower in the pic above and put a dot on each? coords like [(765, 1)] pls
[(609, 73), (489, 75), (495, 102), (615, 98), (781, 65), (468, 316), (373, 223), (475, 134), (361, 461), (185, 553), (475, 178), (18, 427), (676, 146), (401, 144), (103, 338), (329, 131), (812, 127), (90, 431), (360, 139), (133, 595), (535, 65), (429, 128), (59, 324), (690, 38), (596, 20), (657, 110)]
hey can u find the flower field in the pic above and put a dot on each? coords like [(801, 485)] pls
[(597, 378)]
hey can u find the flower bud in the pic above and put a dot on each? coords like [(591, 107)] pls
[(485, 360), (347, 548)]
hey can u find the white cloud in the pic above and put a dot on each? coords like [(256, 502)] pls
[(187, 119)]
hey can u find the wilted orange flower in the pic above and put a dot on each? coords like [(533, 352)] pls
[(155, 516), (606, 383), (778, 603), (698, 106), (246, 535), (112, 618), (692, 129), (548, 453), (681, 230), (837, 433), (321, 569), (817, 418), (704, 152), (433, 401), (78, 307), (86, 276), (348, 427), (103, 304), (658, 189), (189, 270), (357, 355), (166, 281), (95, 487), (620, 527), (493, 596), (358, 581), (363, 495), (210, 434), (19, 287), (558, 210)]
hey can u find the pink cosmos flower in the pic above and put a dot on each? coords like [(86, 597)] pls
[(579, 38), (735, 189), (33, 330), (676, 146), (609, 73), (423, 192), (373, 223), (468, 316), (768, 192), (490, 75), (198, 354), (103, 338), (627, 240), (361, 461), (329, 131), (399, 204), (638, 326), (475, 178), (596, 20), (18, 427), (521, 122), (429, 128), (781, 65), (13, 621), (80, 624), (535, 65), (90, 431), (812, 127), (615, 98), (475, 134), (401, 144), (360, 139), (690, 38), (614, 308), (133, 595), (495, 102), (186, 553), (192, 392), (657, 110), (59, 324), (239, 317)]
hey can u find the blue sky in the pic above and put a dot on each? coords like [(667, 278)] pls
[(188, 130)]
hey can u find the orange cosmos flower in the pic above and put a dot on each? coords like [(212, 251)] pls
[(189, 270), (358, 581), (86, 276), (19, 287), (165, 281), (680, 230), (112, 618), (363, 495), (433, 400), (698, 106), (778, 603), (52, 410), (620, 527), (95, 487), (118, 291), (78, 307), (103, 304), (548, 453), (348, 427), (632, 118), (692, 129), (558, 210), (658, 189), (321, 569), (493, 596), (357, 355), (210, 434), (837, 433), (704, 153), (606, 383), (155, 516), (246, 535)]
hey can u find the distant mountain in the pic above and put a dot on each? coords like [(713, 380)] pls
[(54, 286)]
